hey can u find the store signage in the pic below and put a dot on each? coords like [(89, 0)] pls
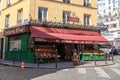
[(73, 19), (40, 39), (17, 30), (26, 21)]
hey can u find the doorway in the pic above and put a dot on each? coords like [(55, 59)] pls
[(1, 47)]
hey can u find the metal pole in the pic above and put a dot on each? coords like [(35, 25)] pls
[(105, 56), (112, 58), (95, 59), (14, 58), (38, 59), (56, 58)]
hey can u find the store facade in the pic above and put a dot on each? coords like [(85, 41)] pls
[(16, 44), (40, 43)]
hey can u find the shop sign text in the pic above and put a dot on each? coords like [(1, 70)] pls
[(73, 19), (14, 31)]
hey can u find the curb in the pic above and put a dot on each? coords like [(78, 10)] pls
[(58, 67)]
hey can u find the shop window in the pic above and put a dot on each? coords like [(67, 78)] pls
[(65, 17), (86, 20), (7, 21), (42, 14), (15, 43), (20, 15), (66, 1), (8, 2)]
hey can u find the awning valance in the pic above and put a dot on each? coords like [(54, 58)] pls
[(66, 35)]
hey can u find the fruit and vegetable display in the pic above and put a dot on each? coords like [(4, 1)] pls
[(89, 55), (93, 52), (45, 54)]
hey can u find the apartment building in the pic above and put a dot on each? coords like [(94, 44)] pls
[(19, 21), (108, 14)]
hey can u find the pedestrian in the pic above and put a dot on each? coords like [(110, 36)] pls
[(112, 50)]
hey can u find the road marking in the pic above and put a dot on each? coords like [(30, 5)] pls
[(114, 66), (65, 70), (101, 72), (116, 71), (82, 70)]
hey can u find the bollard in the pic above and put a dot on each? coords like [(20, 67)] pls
[(13, 61), (105, 58), (95, 58), (38, 63), (113, 58), (56, 59)]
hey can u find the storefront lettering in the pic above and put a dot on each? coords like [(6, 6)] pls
[(57, 40), (14, 31), (40, 39), (67, 41), (73, 19)]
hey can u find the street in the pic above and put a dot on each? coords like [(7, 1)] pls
[(89, 73)]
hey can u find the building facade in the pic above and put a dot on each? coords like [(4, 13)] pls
[(108, 14), (17, 14)]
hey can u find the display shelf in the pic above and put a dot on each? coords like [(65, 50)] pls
[(45, 54), (90, 57)]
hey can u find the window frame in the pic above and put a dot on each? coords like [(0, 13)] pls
[(7, 21), (0, 5), (86, 19), (15, 39), (66, 1), (87, 3), (19, 16), (65, 16), (8, 2), (42, 16)]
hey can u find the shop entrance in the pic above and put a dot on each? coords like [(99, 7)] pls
[(61, 51), (46, 52), (65, 51)]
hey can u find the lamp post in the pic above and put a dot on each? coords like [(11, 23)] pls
[(55, 57)]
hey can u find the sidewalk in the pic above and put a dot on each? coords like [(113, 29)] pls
[(58, 65)]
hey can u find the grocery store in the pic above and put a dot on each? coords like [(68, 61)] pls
[(45, 43)]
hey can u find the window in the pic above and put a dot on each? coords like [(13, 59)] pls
[(109, 2), (109, 7), (107, 20), (20, 14), (42, 14), (114, 25), (104, 11), (0, 5), (7, 21), (87, 3), (66, 1), (8, 2), (65, 17), (86, 20), (111, 19), (107, 26), (15, 43)]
